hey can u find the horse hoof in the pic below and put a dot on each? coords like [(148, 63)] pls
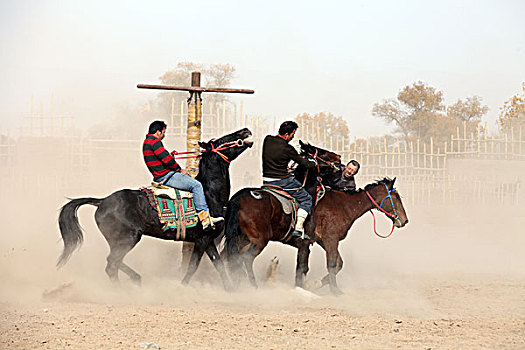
[(312, 285), (336, 291)]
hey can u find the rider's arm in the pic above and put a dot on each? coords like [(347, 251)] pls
[(165, 157), (306, 163)]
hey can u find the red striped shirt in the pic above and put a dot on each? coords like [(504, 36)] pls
[(158, 160)]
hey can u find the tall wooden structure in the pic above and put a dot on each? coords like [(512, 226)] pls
[(193, 135), (194, 112)]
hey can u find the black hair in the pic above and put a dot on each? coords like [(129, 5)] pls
[(355, 163), (287, 127), (157, 125)]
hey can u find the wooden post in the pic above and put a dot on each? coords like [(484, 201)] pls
[(367, 153), (172, 116), (458, 142), (445, 160), (431, 154), (465, 136), (412, 157), (181, 116), (324, 139), (418, 158), (386, 154), (194, 124)]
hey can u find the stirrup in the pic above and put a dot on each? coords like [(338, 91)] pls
[(299, 234)]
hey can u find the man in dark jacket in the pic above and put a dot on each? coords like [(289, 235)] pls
[(165, 170), (344, 178), (276, 154)]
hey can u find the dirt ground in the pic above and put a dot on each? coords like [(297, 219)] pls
[(454, 278)]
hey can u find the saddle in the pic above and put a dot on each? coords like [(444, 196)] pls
[(175, 208), (288, 203)]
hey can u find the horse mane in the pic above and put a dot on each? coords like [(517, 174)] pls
[(384, 181), (205, 168)]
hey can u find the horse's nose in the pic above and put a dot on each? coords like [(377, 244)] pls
[(406, 222)]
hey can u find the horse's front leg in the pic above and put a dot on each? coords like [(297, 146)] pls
[(326, 279), (303, 254), (215, 258), (332, 255)]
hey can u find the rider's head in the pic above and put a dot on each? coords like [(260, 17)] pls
[(287, 130), (351, 168), (157, 128)]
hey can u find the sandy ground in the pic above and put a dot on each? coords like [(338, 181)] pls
[(454, 278)]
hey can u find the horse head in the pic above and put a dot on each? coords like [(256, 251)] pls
[(325, 159), (230, 146), (386, 198)]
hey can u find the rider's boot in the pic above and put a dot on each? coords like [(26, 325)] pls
[(299, 229), (207, 221)]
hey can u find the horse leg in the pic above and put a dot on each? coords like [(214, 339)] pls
[(248, 258), (301, 270), (215, 258), (326, 279), (198, 250), (135, 277), (332, 256), (118, 251)]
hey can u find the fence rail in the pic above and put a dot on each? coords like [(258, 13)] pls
[(422, 166)]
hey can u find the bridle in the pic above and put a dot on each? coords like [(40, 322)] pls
[(222, 147), (380, 207), (226, 145), (316, 157)]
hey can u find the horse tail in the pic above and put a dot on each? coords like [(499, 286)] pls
[(70, 228)]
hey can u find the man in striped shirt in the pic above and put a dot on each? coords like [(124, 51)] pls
[(168, 172)]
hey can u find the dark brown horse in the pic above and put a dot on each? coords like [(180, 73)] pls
[(124, 216), (255, 217), (337, 211)]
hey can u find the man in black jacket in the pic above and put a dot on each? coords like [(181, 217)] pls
[(276, 154), (344, 177)]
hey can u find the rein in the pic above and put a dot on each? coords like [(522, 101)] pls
[(226, 145), (380, 207), (315, 156)]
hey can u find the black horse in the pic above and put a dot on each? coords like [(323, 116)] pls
[(255, 217), (124, 216)]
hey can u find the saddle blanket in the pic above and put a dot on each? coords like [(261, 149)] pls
[(288, 203), (178, 213)]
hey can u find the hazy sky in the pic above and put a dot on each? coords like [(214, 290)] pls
[(301, 56)]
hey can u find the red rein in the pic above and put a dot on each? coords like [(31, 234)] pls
[(384, 211), (216, 150)]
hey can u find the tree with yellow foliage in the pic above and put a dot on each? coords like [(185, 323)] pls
[(419, 112), (512, 115), (325, 123)]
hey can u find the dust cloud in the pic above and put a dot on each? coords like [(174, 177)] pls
[(459, 262), (441, 242)]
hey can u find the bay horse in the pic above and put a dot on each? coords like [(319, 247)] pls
[(337, 211), (125, 215), (255, 217)]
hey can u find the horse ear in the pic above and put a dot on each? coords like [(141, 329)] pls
[(301, 143), (393, 181), (204, 145)]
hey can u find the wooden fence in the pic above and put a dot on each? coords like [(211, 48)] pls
[(421, 167)]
